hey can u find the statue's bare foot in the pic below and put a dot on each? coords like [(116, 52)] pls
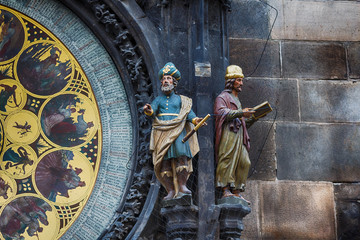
[(237, 194), (170, 195), (227, 192), (185, 190)]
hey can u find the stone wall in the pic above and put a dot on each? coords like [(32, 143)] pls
[(304, 181)]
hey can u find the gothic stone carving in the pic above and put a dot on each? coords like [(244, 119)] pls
[(142, 87)]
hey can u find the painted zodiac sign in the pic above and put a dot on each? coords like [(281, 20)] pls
[(24, 129), (7, 96), (24, 214), (15, 159), (4, 187)]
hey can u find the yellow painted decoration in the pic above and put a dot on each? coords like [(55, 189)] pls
[(50, 132)]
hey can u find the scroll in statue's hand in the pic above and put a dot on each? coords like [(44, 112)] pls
[(198, 120)]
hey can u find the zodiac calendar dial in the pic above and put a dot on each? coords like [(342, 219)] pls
[(49, 123)]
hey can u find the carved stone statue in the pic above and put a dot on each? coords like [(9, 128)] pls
[(172, 119), (232, 140)]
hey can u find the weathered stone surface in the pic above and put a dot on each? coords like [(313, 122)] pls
[(152, 11), (347, 197), (346, 191), (297, 210), (262, 151), (313, 60), (181, 60), (178, 15), (247, 54), (289, 210), (231, 216), (316, 20), (251, 221), (354, 59), (348, 219), (281, 94), (324, 101), (248, 19), (318, 152), (181, 221)]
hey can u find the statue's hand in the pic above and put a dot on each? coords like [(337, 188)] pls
[(198, 120), (247, 112), (147, 108)]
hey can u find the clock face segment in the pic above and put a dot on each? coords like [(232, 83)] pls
[(57, 88)]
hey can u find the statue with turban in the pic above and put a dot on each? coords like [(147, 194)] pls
[(172, 118)]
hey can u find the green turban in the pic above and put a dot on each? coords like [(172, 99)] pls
[(170, 69)]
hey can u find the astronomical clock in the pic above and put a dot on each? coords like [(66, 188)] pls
[(66, 127)]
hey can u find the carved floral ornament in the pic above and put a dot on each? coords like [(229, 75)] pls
[(141, 84)]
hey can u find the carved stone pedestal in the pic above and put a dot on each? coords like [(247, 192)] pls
[(233, 210), (181, 218)]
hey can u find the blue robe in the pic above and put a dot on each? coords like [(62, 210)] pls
[(171, 104)]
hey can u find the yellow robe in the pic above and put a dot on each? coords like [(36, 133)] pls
[(164, 133), (232, 155)]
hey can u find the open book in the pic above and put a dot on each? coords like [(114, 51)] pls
[(261, 110)]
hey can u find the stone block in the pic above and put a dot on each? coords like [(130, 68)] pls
[(181, 221), (152, 11), (251, 221), (313, 60), (318, 152), (289, 210), (217, 79), (214, 15), (347, 191), (180, 57), (354, 59), (247, 54), (248, 19), (262, 151), (296, 210), (281, 94), (179, 16), (233, 210), (347, 196), (324, 101), (316, 20)]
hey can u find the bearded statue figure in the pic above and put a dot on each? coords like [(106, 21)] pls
[(232, 140), (172, 118)]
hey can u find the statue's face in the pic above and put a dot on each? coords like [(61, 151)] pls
[(238, 84), (167, 80), (167, 84)]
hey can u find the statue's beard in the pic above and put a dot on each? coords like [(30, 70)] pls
[(167, 87), (238, 89)]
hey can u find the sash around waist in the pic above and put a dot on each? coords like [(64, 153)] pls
[(167, 114)]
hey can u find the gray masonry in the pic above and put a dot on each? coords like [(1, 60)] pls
[(305, 182), (303, 56)]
